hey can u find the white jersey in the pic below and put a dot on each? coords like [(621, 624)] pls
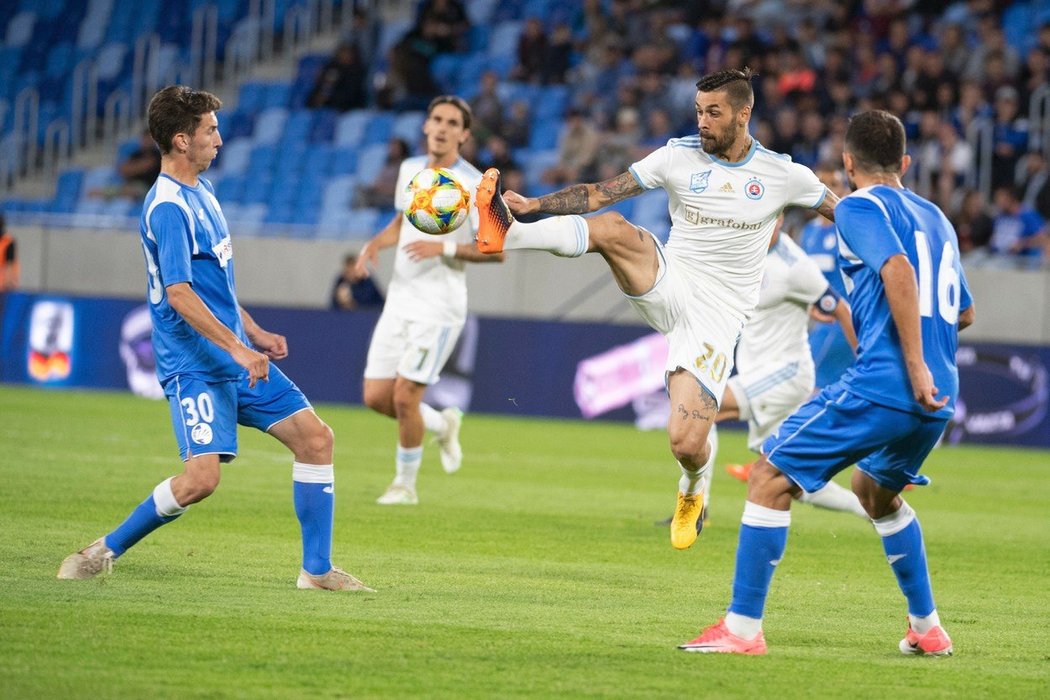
[(778, 332), (433, 289), (723, 214)]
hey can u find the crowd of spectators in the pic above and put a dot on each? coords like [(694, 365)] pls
[(965, 93)]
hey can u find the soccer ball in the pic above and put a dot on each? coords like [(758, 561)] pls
[(438, 203)]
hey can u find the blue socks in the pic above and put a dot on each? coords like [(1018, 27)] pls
[(906, 553), (763, 538), (158, 509), (313, 490)]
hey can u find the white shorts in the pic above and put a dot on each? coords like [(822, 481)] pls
[(768, 395), (415, 350), (701, 335)]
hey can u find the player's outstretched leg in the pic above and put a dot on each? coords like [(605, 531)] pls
[(158, 509), (566, 236)]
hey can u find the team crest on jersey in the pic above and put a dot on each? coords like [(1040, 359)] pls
[(754, 189), (201, 434), (698, 182)]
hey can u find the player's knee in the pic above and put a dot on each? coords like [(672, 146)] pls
[(406, 399), (608, 229), (321, 439), (691, 448), (378, 401), (197, 486)]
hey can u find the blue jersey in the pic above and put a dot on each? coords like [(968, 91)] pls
[(821, 243), (185, 239), (874, 224)]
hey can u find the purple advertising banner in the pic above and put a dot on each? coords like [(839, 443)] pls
[(505, 366)]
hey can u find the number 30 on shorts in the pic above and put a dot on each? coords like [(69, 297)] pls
[(714, 365), (198, 410)]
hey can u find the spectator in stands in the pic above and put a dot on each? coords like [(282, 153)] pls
[(1036, 184), (1017, 230), (1034, 74), (342, 84), (972, 223), (578, 146), (443, 24), (497, 154), (559, 55), (380, 192), (353, 291), (137, 172), (8, 259), (953, 49), (1010, 137), (518, 125), (409, 83), (532, 52), (488, 107)]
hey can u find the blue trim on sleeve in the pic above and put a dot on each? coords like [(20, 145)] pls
[(820, 201), (637, 179)]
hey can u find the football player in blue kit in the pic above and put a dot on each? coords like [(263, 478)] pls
[(909, 296), (213, 360)]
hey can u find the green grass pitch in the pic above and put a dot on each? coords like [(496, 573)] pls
[(534, 571)]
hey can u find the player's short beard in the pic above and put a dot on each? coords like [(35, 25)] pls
[(720, 144)]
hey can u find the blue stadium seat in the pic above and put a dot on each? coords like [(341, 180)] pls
[(270, 125), (67, 190), (444, 68), (409, 127), (504, 38), (342, 161), (351, 127), (544, 134), (324, 125), (378, 129), (370, 161), (234, 156), (251, 97), (278, 95), (20, 29), (553, 102)]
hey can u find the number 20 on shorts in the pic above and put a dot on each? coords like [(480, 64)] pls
[(714, 365)]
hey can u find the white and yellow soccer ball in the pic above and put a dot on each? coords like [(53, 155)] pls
[(438, 202)]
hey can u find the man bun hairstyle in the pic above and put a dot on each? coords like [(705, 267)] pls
[(736, 83), (876, 141), (177, 109), (457, 102)]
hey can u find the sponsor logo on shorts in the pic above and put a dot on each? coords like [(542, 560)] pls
[(201, 434)]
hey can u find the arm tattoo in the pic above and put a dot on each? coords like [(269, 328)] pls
[(617, 189), (827, 207), (577, 198), (571, 200)]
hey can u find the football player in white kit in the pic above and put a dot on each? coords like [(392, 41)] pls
[(775, 370), (425, 309), (725, 193)]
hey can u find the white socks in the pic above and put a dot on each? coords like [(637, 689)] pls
[(432, 419), (835, 497), (164, 500), (408, 461), (922, 625), (567, 236), (742, 626)]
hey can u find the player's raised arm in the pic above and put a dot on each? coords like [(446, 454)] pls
[(577, 199)]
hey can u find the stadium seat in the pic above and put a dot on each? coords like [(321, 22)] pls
[(323, 129), (370, 161), (504, 38), (544, 134), (342, 160), (351, 127), (20, 29), (339, 192), (270, 126), (378, 129), (67, 190), (409, 127)]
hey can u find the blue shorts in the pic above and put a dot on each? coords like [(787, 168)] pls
[(835, 429), (205, 414), (832, 354)]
